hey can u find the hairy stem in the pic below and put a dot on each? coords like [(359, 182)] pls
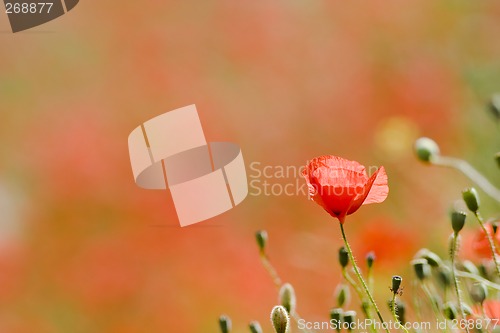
[(490, 242), (394, 310), (455, 278), (360, 277)]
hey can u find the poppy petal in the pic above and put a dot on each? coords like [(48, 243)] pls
[(380, 190)]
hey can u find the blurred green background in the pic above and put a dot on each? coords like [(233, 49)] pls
[(82, 249)]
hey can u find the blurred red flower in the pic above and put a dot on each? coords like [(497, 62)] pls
[(481, 245), (492, 309), (341, 186)]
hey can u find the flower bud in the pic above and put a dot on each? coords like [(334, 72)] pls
[(422, 268), (342, 295), (469, 267), (396, 283), (343, 257), (478, 293), (255, 327), (287, 297), (425, 149), (494, 106), (336, 317), (350, 320), (471, 198), (370, 259), (261, 238), (432, 259), (365, 307), (458, 220), (450, 311), (497, 158), (225, 324), (280, 319), (444, 276)]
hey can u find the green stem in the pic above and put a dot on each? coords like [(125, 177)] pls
[(490, 242), (455, 278), (487, 283), (469, 172), (394, 308), (278, 282), (355, 286), (360, 277)]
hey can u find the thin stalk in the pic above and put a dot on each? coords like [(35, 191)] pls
[(394, 310), (271, 270), (490, 242), (370, 279), (278, 282), (487, 283), (469, 172), (455, 278), (360, 277), (358, 290)]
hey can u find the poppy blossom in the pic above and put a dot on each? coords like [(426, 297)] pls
[(481, 244), (341, 186)]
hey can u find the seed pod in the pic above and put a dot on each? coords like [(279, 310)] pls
[(225, 324), (261, 238), (396, 283), (336, 316), (343, 257), (458, 220), (255, 327), (478, 293), (342, 295), (421, 268), (370, 259)]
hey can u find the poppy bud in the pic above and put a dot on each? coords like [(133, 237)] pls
[(471, 198), (370, 259), (478, 293), (350, 320), (343, 257), (469, 267), (497, 158), (255, 327), (494, 106), (444, 276), (396, 283), (458, 220), (343, 295), (432, 259), (225, 324), (425, 149), (336, 317), (287, 297), (261, 238), (450, 311), (422, 268), (280, 319)]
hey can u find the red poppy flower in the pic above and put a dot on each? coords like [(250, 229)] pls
[(341, 186), (481, 244), (492, 309)]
